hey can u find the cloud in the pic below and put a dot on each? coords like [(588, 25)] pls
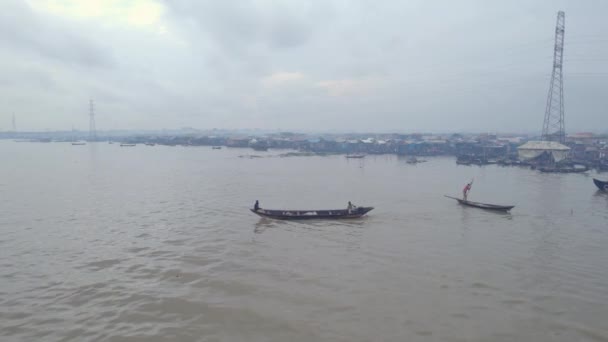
[(143, 14), (414, 65), (29, 32), (349, 87), (240, 27), (280, 78)]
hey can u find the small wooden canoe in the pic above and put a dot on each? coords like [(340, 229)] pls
[(600, 184), (333, 214), (563, 170), (483, 205), (355, 156)]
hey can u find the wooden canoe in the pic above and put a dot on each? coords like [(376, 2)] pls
[(333, 214), (483, 205), (600, 184)]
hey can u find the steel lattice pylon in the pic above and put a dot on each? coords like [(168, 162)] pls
[(554, 124), (92, 130)]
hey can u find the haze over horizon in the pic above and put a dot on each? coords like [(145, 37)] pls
[(315, 65)]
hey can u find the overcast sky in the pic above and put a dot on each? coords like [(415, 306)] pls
[(396, 66)]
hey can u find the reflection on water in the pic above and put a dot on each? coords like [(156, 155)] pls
[(601, 193), (265, 223), (157, 244)]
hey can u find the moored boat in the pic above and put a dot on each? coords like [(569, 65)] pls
[(216, 147), (79, 143), (127, 145), (487, 206), (563, 169), (332, 214), (355, 156), (414, 160), (600, 184)]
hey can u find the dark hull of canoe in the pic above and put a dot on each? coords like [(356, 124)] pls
[(337, 214), (600, 185), (566, 170), (486, 206)]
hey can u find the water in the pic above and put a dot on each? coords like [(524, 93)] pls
[(103, 243)]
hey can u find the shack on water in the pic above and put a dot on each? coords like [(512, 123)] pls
[(535, 149)]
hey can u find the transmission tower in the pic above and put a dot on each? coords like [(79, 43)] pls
[(92, 131), (554, 125)]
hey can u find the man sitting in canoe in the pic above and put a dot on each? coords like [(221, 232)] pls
[(465, 191)]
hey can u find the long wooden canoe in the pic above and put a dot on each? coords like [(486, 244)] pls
[(483, 205), (601, 184), (333, 214)]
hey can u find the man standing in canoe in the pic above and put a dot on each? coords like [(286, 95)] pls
[(467, 188), (256, 206)]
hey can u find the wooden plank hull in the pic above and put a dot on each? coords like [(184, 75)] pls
[(600, 184), (336, 214), (562, 170), (486, 206)]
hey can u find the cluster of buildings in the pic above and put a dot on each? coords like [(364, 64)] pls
[(586, 149), (582, 148), (403, 144)]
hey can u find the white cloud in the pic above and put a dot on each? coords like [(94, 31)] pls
[(282, 78), (349, 87), (208, 63), (141, 14)]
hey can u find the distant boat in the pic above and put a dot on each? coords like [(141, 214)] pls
[(563, 169), (601, 184), (355, 156), (333, 214), (483, 205), (414, 160), (150, 144), (127, 145), (259, 145), (216, 147), (110, 142), (79, 143)]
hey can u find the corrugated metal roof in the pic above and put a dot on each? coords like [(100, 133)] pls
[(543, 145)]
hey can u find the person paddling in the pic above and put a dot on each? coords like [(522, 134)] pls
[(465, 191), (256, 206)]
